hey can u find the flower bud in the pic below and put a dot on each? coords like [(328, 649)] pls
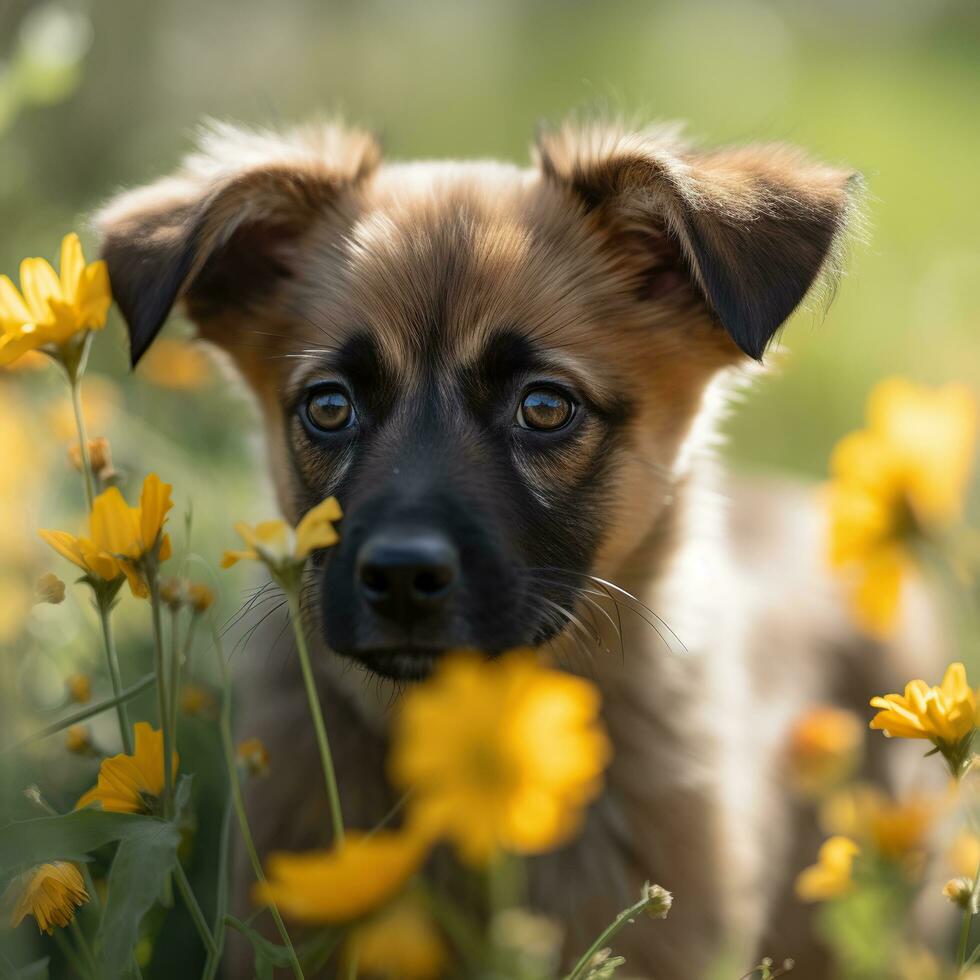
[(78, 741), (79, 688), (49, 588), (172, 592), (200, 597), (99, 454), (195, 700), (253, 757), (958, 891), (658, 899)]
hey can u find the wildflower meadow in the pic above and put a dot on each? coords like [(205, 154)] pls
[(139, 547)]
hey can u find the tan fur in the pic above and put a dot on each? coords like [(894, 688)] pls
[(752, 629)]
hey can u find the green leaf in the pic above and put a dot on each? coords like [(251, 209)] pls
[(268, 955), (38, 970), (141, 865), (67, 837)]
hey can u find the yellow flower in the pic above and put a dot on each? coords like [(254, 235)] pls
[(79, 688), (943, 714), (824, 748), (897, 830), (830, 877), (906, 473), (49, 892), (400, 943), (253, 756), (99, 454), (178, 364), (196, 700), (121, 536), (50, 310), (132, 783), (279, 546), (49, 589), (964, 854), (344, 883), (78, 740), (499, 754)]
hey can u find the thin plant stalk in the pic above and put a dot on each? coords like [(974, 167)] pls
[(74, 373), (239, 804), (200, 923), (108, 641), (326, 759), (72, 955), (153, 582), (83, 945), (175, 657), (607, 935)]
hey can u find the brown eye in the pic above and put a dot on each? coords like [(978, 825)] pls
[(328, 410), (544, 409)]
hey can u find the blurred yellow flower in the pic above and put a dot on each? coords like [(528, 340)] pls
[(15, 605), (49, 892), (50, 310), (196, 700), (179, 364), (132, 783), (944, 714), (99, 454), (278, 545), (49, 589), (824, 749), (499, 754), (830, 877), (253, 756), (896, 829), (400, 943), (78, 740), (964, 853), (344, 883), (79, 688), (121, 536), (905, 474)]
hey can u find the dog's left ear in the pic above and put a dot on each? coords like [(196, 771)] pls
[(753, 226)]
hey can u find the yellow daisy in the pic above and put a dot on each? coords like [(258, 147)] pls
[(903, 475), (120, 535), (830, 877), (277, 544), (500, 754), (400, 943), (824, 749), (50, 310), (944, 714), (132, 783), (49, 892), (344, 883)]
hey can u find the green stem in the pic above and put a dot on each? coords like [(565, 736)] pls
[(153, 582), (221, 898), (605, 937), (329, 775), (133, 691), (239, 803), (200, 923), (105, 619), (175, 657), (87, 954), (76, 404), (71, 954)]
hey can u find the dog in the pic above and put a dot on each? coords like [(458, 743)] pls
[(511, 378)]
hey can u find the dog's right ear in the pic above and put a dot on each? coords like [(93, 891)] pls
[(214, 234)]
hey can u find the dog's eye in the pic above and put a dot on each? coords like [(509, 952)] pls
[(544, 409), (328, 409)]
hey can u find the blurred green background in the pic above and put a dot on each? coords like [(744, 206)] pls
[(105, 94)]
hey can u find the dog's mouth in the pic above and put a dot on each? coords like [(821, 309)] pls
[(408, 663)]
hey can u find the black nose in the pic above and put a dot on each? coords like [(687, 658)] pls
[(406, 574)]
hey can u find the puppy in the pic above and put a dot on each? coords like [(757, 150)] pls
[(510, 378)]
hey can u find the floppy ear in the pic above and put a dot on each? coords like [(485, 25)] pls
[(753, 227), (213, 235)]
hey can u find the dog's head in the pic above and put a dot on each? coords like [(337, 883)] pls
[(494, 369)]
